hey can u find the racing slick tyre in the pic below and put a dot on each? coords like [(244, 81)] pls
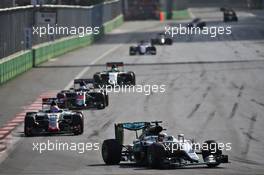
[(106, 100), (77, 122), (155, 155), (97, 80), (100, 97), (111, 152), (132, 51), (29, 123), (168, 41), (211, 149), (82, 124), (133, 78), (152, 50)]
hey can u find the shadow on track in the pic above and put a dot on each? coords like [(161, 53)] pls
[(134, 166)]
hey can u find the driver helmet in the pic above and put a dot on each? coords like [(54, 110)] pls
[(53, 103), (54, 107), (161, 136), (114, 68), (83, 87)]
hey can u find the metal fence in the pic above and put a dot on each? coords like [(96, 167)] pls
[(17, 23)]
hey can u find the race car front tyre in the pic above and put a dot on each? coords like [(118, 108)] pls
[(155, 155), (78, 124), (210, 148), (111, 152)]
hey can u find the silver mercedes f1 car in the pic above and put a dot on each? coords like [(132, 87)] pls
[(157, 150)]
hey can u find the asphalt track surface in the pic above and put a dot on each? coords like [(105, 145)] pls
[(222, 99)]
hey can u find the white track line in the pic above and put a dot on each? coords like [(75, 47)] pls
[(80, 74)]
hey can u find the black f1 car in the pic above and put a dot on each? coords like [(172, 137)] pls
[(158, 150), (229, 15), (52, 120), (114, 76), (143, 48), (196, 22), (161, 39), (83, 96)]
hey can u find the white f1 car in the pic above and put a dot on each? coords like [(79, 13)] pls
[(143, 48), (114, 76)]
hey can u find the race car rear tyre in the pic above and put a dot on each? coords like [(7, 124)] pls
[(133, 78), (168, 41), (155, 155), (132, 51), (111, 152), (29, 123), (106, 100), (82, 122), (97, 80), (153, 50), (210, 147)]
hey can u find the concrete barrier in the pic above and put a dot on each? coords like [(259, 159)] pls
[(14, 65)]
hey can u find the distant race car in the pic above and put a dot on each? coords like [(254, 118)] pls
[(162, 39), (229, 15), (156, 149), (196, 22), (83, 96), (114, 75), (143, 48), (48, 121)]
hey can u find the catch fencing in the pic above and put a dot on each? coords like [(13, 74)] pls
[(16, 23)]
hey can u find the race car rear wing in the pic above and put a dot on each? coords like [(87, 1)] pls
[(87, 80), (134, 126), (117, 64), (83, 82), (47, 102)]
